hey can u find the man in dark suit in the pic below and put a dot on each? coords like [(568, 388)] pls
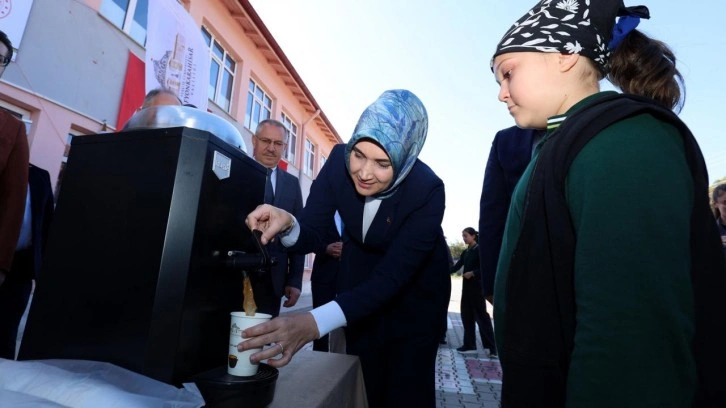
[(15, 292), (13, 173), (325, 274), (282, 191), (510, 153), (13, 191)]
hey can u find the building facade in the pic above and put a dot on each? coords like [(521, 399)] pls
[(68, 75)]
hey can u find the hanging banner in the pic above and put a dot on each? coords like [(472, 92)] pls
[(177, 58), (13, 18)]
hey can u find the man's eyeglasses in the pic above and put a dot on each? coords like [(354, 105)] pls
[(266, 142), (5, 60)]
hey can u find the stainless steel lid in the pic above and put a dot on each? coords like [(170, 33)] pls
[(164, 116)]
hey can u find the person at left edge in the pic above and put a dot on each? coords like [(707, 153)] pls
[(14, 295), (285, 278), (14, 154), (394, 288)]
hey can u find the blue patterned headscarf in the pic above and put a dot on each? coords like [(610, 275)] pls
[(398, 122)]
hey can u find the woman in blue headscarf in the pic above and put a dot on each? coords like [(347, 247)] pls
[(393, 289)]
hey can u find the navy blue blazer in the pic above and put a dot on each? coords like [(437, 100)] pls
[(510, 154), (27, 263), (395, 283), (325, 267), (290, 266)]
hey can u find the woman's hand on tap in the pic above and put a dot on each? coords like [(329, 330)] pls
[(270, 220)]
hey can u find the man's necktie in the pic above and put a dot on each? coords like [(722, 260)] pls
[(269, 192)]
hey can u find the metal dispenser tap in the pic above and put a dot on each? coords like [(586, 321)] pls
[(259, 262)]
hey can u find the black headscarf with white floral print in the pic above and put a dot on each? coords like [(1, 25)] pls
[(582, 27)]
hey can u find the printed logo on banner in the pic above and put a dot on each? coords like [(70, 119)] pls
[(5, 7), (175, 70), (177, 56)]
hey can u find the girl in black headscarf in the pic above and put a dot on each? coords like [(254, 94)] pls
[(610, 285)]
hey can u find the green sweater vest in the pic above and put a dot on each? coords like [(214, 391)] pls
[(629, 192)]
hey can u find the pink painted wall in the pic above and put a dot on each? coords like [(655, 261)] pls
[(51, 125)]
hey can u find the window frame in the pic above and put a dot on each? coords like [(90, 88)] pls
[(223, 71), (309, 165), (321, 162), (291, 126), (22, 114), (127, 25), (72, 132), (252, 89)]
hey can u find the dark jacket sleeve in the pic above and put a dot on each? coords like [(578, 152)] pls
[(296, 259), (493, 208), (458, 263), (48, 210), (474, 265), (42, 207), (320, 208)]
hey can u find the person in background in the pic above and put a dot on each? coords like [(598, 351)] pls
[(473, 305), (719, 210), (14, 154), (28, 257), (611, 270), (323, 279), (160, 96), (283, 191), (509, 155), (394, 292), (156, 97), (446, 318)]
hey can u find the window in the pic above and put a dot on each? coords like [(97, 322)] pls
[(221, 72), (291, 140), (309, 157), (20, 113), (322, 162), (64, 160), (128, 15), (259, 106)]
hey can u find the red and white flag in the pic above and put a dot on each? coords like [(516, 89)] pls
[(132, 95)]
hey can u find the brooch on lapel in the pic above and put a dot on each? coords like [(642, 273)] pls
[(388, 220)]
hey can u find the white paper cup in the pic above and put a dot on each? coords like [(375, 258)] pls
[(238, 362)]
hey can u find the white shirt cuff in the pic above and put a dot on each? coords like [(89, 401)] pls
[(290, 237), (328, 317)]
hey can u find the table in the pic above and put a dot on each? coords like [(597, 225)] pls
[(317, 379), (312, 379)]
